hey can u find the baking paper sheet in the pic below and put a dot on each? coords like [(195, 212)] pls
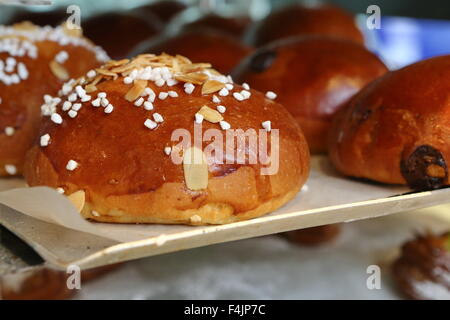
[(61, 236)]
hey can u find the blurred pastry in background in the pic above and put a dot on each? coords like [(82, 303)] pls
[(119, 33), (313, 77), (52, 18), (234, 26), (220, 49), (297, 20), (35, 61), (396, 130), (314, 236), (164, 10), (126, 166), (423, 270)]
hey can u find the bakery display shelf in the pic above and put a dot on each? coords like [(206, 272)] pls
[(327, 198)]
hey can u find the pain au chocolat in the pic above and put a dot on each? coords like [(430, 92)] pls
[(396, 130), (112, 147), (35, 61)]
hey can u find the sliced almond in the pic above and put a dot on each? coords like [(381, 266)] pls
[(78, 199), (136, 91), (214, 72), (124, 68), (212, 86), (195, 67), (59, 71), (90, 88), (210, 115), (175, 66), (195, 169), (198, 76)]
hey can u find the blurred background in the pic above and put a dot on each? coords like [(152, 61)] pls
[(411, 29), (268, 267)]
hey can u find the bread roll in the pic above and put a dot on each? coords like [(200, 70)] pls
[(313, 77), (119, 156), (233, 26), (35, 61), (396, 130)]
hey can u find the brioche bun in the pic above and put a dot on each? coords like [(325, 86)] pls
[(120, 154), (313, 77)]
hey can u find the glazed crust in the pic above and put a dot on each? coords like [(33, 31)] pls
[(20, 103), (163, 10), (297, 20), (313, 77), (396, 129), (221, 50), (423, 268), (128, 178)]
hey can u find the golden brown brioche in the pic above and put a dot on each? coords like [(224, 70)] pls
[(163, 10), (119, 32), (119, 151), (34, 61), (396, 130), (313, 77), (221, 50), (422, 271), (298, 20)]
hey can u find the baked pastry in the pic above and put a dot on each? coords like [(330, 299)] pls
[(52, 18), (312, 77), (124, 155), (422, 271), (314, 236), (35, 61), (163, 10), (299, 20), (221, 50), (233, 26), (119, 33), (395, 129)]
